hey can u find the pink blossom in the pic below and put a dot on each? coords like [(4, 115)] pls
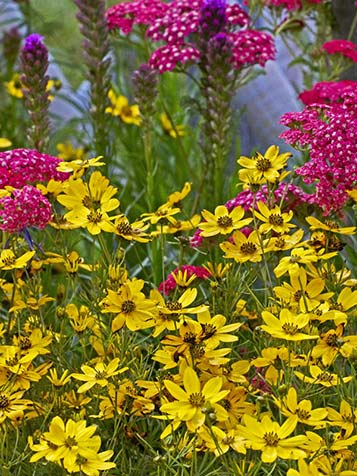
[(26, 207), (252, 47), (170, 284), (327, 92), (19, 167), (344, 47), (168, 56)]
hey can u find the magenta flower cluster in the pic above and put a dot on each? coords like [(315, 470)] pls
[(180, 23), (327, 92), (170, 284), (19, 167), (289, 4), (26, 207), (343, 47), (329, 133)]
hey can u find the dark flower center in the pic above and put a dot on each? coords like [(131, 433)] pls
[(127, 307), (225, 221)]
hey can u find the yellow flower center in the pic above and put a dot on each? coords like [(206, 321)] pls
[(174, 305), (290, 328), (248, 248), (228, 440), (94, 217), (100, 374), (298, 295), (124, 228), (332, 340), (196, 399), (226, 404), (208, 330), (12, 361), (128, 306), (9, 260), (190, 338), (25, 343), (280, 243), (331, 224), (325, 377), (276, 219), (4, 401), (263, 164), (303, 414), (271, 438), (70, 441), (225, 221)]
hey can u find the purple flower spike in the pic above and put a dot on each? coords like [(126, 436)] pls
[(213, 18)]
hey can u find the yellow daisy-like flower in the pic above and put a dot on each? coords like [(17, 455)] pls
[(305, 469), (283, 242), (322, 377), (120, 108), (8, 260), (67, 152), (177, 226), (329, 225), (268, 165), (288, 326), (58, 381), (297, 257), (220, 441), (170, 128), (131, 306), (222, 221), (134, 231), (290, 407), (162, 213), (333, 343), (272, 439), (273, 219), (192, 403), (215, 330), (5, 143), (99, 375), (243, 248), (345, 419), (15, 87), (12, 405)]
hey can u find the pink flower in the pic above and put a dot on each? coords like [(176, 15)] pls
[(327, 92), (26, 207), (170, 283), (19, 167), (124, 15), (252, 47), (344, 47), (168, 56)]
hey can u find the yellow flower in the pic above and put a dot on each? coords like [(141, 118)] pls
[(222, 221), (131, 306), (5, 143), (220, 441), (268, 165), (288, 325), (134, 231), (306, 469), (80, 318), (162, 213), (12, 405), (120, 108), (273, 219), (333, 343), (272, 439), (290, 407), (346, 419), (283, 242), (322, 377), (8, 260), (329, 225), (176, 226), (99, 375), (68, 152), (193, 403), (214, 329), (34, 343), (79, 166), (59, 381), (15, 87), (243, 248), (170, 128), (299, 256)]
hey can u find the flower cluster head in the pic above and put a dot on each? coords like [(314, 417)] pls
[(183, 276), (329, 132), (35, 52), (186, 27), (343, 47), (289, 4), (327, 92), (19, 167), (22, 208)]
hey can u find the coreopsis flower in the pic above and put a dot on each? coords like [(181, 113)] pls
[(273, 219), (34, 343), (297, 257), (56, 380), (178, 308), (301, 293), (330, 226), (183, 277), (134, 231), (305, 469), (220, 441), (71, 444), (66, 151), (334, 443), (193, 402), (120, 108), (175, 226), (14, 87), (12, 405), (170, 128), (99, 375), (130, 306), (345, 419), (332, 343), (79, 166), (8, 259), (162, 213), (243, 248), (288, 326), (272, 439), (215, 330), (80, 318), (275, 358), (290, 407), (269, 165), (175, 198), (322, 377), (5, 143), (222, 221)]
